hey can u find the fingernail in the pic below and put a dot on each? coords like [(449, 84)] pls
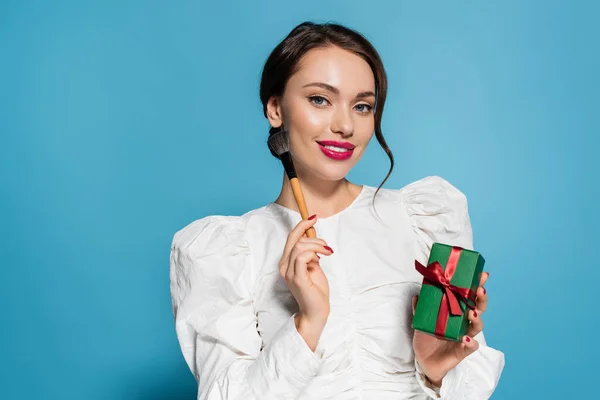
[(468, 339), (318, 257), (475, 313), (312, 217), (328, 248), (488, 274), (484, 291)]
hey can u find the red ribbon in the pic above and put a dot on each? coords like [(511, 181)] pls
[(435, 275)]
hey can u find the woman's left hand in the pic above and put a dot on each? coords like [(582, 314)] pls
[(436, 356)]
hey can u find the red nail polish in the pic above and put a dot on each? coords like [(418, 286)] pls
[(312, 217), (328, 248), (468, 339), (475, 313), (484, 291)]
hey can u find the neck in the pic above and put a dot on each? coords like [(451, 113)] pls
[(323, 197)]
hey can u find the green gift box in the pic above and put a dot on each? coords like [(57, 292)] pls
[(450, 282)]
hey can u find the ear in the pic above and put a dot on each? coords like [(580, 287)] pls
[(274, 112)]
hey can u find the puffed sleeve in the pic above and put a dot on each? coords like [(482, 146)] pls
[(438, 212), (212, 284)]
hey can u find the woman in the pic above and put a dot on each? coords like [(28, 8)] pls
[(264, 312)]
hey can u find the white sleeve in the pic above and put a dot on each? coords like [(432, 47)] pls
[(212, 285), (439, 213)]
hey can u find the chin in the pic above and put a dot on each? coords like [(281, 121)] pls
[(324, 168), (334, 173)]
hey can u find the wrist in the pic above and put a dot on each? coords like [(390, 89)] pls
[(310, 329), (434, 382)]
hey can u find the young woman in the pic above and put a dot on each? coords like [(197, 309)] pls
[(264, 312)]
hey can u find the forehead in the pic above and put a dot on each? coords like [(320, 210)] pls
[(337, 67)]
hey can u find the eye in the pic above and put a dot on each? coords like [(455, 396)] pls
[(318, 101), (363, 108)]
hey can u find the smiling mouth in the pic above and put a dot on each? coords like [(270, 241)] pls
[(337, 150), (339, 147)]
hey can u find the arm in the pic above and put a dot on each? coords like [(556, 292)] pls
[(474, 378), (211, 289), (438, 212)]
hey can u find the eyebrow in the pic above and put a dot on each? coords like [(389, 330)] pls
[(335, 90)]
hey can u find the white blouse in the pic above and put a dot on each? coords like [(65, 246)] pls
[(234, 313)]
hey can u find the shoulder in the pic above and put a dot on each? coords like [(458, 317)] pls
[(435, 198), (432, 193), (432, 189), (214, 234), (437, 211)]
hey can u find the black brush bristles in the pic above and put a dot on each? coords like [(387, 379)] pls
[(279, 144)]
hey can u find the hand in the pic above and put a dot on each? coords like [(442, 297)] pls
[(299, 267), (436, 356)]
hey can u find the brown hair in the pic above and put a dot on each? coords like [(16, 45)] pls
[(284, 59)]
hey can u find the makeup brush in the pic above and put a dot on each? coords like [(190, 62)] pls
[(279, 144)]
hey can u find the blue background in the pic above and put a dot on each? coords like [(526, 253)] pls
[(122, 121)]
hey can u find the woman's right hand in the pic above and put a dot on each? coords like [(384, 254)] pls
[(299, 267)]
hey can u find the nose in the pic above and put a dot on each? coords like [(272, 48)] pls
[(342, 123)]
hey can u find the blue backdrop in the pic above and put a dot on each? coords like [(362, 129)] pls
[(122, 121)]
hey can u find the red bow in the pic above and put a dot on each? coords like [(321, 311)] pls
[(435, 275)]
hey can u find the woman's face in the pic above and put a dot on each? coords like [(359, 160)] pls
[(327, 108)]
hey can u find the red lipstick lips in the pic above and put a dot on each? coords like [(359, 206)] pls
[(336, 150)]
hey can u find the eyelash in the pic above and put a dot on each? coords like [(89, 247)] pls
[(313, 98)]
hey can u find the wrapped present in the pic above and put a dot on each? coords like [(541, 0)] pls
[(450, 282)]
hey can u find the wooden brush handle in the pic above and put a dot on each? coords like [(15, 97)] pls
[(311, 233)]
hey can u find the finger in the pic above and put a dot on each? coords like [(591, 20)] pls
[(285, 262), (304, 246), (306, 239), (481, 293), (414, 303), (296, 234), (482, 300), (483, 279), (283, 267), (293, 271), (476, 324), (312, 265), (313, 240), (468, 346), (300, 267), (300, 248), (317, 241)]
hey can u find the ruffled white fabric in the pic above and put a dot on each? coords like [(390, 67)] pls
[(234, 314)]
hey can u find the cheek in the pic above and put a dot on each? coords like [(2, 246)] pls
[(315, 117), (364, 129), (307, 119)]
